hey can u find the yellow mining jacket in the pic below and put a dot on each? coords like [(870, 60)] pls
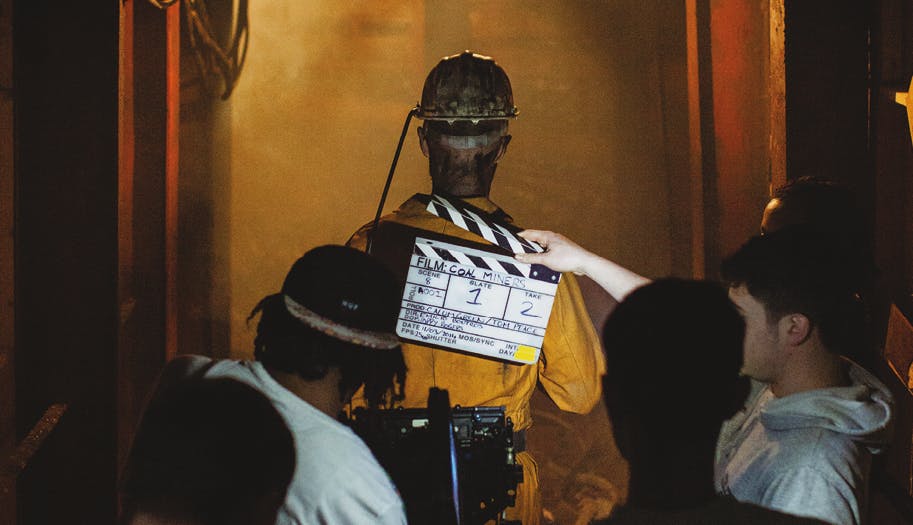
[(570, 365)]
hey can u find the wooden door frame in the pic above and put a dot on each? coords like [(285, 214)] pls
[(7, 258)]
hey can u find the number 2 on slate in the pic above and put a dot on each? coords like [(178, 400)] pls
[(529, 306), (475, 300)]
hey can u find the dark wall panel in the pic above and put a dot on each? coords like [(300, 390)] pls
[(827, 89), (66, 316)]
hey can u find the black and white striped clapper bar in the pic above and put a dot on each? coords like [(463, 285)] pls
[(491, 231), (477, 301)]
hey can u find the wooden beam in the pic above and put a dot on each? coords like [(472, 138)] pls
[(12, 464), (777, 94), (698, 258), (172, 157), (126, 173), (7, 258), (147, 214)]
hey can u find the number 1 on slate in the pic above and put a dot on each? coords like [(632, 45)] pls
[(475, 300)]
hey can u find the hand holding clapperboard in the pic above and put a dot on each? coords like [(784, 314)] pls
[(473, 300)]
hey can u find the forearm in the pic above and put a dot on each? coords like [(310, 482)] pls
[(563, 255), (617, 280)]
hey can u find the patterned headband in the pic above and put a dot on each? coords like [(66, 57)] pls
[(368, 338)]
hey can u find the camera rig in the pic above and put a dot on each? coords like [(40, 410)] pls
[(451, 465)]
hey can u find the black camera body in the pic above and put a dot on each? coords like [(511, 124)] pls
[(451, 465)]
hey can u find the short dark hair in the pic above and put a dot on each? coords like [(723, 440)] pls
[(213, 451), (823, 204), (286, 344), (673, 345), (338, 308), (815, 190), (802, 269)]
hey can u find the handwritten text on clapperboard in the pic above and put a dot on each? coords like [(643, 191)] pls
[(475, 301)]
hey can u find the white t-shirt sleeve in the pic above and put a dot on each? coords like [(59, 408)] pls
[(350, 508), (339, 482), (394, 516), (347, 500), (361, 496)]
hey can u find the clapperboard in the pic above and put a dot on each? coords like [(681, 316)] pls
[(476, 299), (470, 218)]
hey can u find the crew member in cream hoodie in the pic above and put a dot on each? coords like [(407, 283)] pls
[(804, 442)]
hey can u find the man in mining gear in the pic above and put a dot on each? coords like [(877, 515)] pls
[(466, 105)]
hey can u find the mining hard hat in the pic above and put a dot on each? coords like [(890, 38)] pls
[(346, 294), (467, 86)]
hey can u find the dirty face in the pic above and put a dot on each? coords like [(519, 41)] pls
[(463, 155)]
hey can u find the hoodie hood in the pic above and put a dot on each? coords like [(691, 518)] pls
[(862, 411)]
